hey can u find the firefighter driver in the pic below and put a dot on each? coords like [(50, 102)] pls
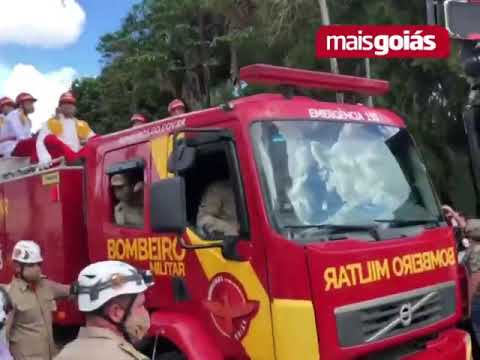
[(110, 293), (217, 215), (64, 134), (129, 194), (29, 325)]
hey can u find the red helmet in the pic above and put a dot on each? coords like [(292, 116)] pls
[(22, 97), (67, 98), (175, 104), (4, 101), (138, 118)]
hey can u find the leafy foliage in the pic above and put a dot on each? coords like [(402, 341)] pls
[(193, 49)]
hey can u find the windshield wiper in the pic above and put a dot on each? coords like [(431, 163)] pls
[(429, 223), (331, 229)]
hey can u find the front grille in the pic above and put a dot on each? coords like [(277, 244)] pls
[(374, 320)]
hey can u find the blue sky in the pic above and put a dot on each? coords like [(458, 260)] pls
[(102, 16), (46, 44)]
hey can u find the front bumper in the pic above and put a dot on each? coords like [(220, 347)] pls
[(453, 344)]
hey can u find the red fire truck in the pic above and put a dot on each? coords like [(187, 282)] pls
[(341, 252)]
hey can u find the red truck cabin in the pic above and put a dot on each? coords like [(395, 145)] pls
[(342, 250)]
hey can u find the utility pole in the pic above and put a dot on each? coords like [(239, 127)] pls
[(333, 61)]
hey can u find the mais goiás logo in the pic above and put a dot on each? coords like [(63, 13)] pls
[(382, 41)]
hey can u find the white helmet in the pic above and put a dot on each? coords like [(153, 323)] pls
[(102, 281), (27, 252)]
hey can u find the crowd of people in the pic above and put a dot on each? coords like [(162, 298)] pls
[(109, 293), (63, 135)]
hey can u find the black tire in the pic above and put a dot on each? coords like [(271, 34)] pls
[(173, 355)]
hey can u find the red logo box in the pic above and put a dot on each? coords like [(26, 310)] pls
[(382, 41)]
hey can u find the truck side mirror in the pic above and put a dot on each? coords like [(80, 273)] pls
[(168, 208), (181, 158)]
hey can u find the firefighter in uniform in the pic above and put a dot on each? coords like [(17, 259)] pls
[(7, 105), (176, 107), (110, 293), (138, 119), (217, 214), (64, 134), (16, 134), (129, 209), (29, 326)]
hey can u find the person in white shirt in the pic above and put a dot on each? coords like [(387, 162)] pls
[(63, 135), (7, 105), (16, 133)]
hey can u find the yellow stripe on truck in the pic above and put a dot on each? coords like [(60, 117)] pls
[(468, 347), (294, 330), (258, 342), (159, 148)]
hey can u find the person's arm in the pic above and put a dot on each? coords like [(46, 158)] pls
[(453, 217), (207, 217), (85, 132), (9, 324), (59, 290), (44, 156)]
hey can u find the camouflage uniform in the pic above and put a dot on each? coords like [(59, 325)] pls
[(217, 212), (472, 232), (95, 343)]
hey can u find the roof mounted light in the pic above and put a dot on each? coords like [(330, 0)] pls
[(262, 74)]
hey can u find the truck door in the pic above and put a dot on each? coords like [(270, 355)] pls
[(228, 296), (120, 209)]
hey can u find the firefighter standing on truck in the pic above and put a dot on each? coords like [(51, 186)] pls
[(63, 135), (7, 105), (29, 326), (176, 107), (138, 120), (111, 294), (17, 131)]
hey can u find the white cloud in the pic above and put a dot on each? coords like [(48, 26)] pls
[(46, 87), (44, 23)]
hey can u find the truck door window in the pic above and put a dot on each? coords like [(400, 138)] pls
[(127, 194), (212, 195)]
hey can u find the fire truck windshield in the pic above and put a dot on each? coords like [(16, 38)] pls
[(341, 174)]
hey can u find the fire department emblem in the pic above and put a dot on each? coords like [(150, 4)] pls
[(229, 307)]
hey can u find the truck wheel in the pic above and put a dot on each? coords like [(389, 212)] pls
[(173, 355)]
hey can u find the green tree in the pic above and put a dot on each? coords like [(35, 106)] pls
[(193, 49)]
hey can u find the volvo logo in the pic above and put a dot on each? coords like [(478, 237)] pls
[(405, 314)]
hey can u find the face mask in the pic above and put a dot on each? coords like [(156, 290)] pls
[(32, 274), (137, 325)]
